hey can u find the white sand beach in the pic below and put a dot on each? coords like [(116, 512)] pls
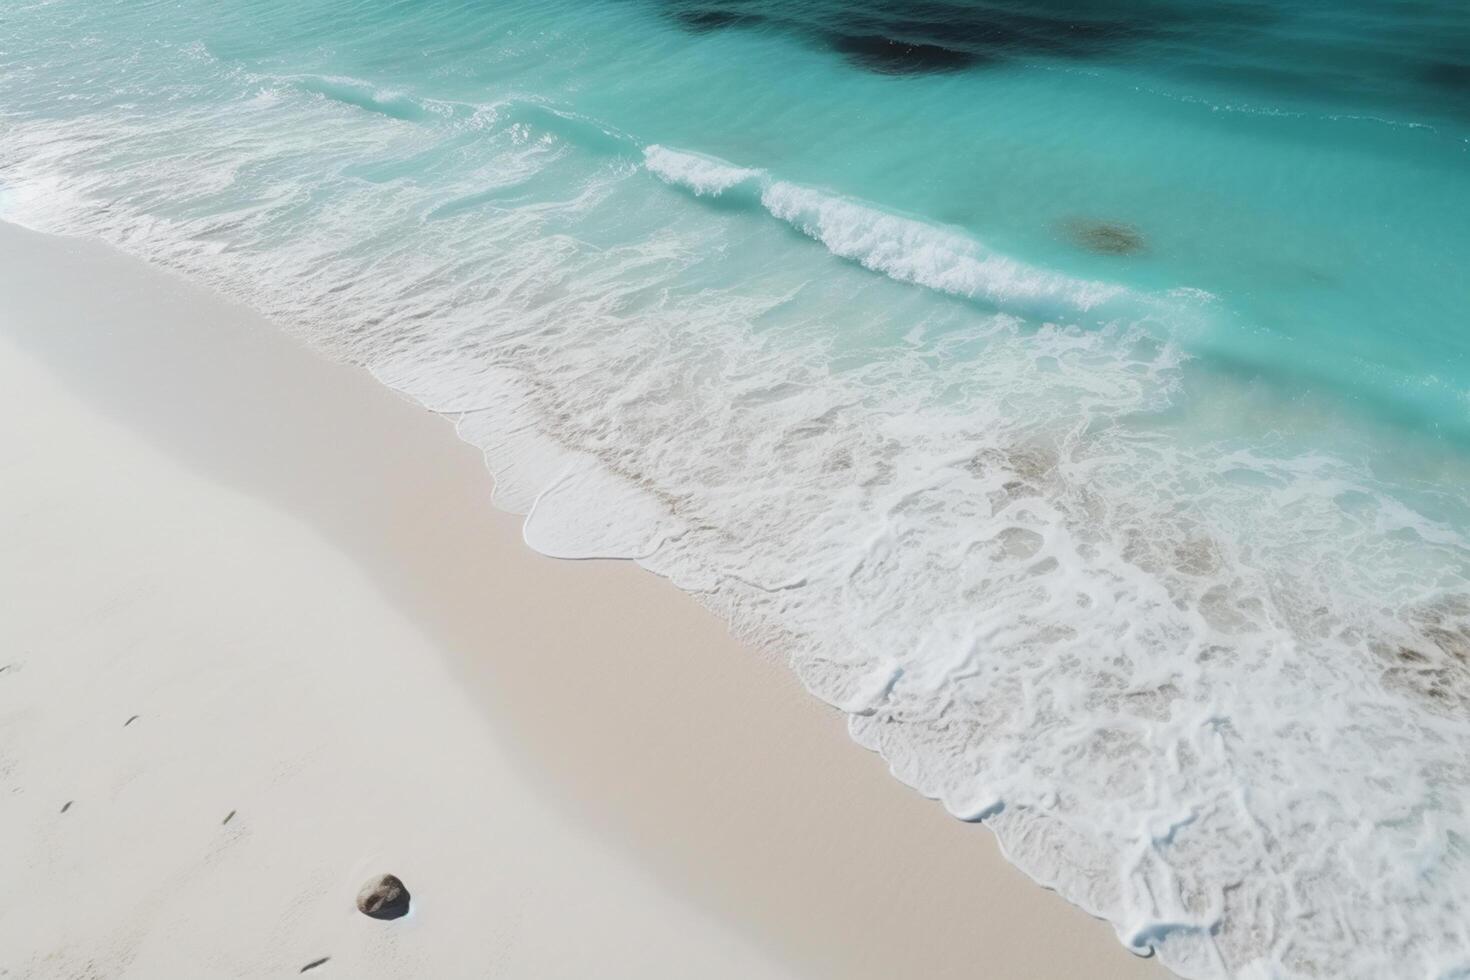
[(241, 581)]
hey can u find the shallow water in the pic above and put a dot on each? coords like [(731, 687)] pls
[(1080, 396)]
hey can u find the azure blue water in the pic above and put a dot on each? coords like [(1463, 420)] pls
[(1077, 393)]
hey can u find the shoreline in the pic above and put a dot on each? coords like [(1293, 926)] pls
[(650, 772)]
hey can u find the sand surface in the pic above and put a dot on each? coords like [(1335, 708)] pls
[(240, 579)]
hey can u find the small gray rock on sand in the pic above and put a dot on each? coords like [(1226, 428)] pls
[(383, 897)]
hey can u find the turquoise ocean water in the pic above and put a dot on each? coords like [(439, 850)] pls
[(1079, 393)]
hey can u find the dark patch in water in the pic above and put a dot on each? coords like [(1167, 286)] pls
[(314, 964), (1105, 237), (703, 20), (1452, 75), (1418, 54), (890, 57), (920, 36)]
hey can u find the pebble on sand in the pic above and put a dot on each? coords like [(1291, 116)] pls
[(383, 897)]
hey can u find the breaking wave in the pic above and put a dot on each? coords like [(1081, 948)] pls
[(901, 248)]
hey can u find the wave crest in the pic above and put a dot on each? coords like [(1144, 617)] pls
[(705, 176), (901, 248)]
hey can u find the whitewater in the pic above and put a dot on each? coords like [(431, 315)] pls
[(1194, 645)]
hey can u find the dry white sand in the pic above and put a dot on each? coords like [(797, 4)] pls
[(295, 581)]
